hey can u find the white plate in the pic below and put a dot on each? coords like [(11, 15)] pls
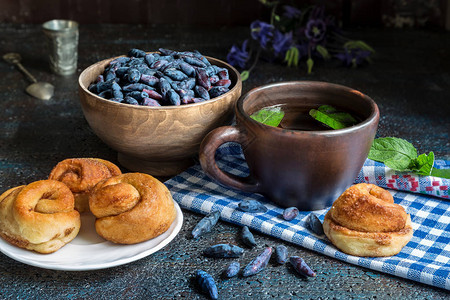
[(89, 251)]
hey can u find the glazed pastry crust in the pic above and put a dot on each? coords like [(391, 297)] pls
[(39, 216), (81, 175), (365, 221), (131, 208)]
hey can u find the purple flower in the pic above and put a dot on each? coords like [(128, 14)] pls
[(315, 30), (281, 42), (353, 57), (261, 32), (291, 12), (238, 56)]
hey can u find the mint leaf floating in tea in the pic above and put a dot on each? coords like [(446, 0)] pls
[(400, 155), (271, 116), (333, 118)]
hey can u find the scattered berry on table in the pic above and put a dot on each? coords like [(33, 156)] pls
[(247, 237), (252, 206), (232, 269), (281, 254), (314, 224), (290, 213), (207, 284), (206, 224), (301, 267), (258, 263), (223, 251)]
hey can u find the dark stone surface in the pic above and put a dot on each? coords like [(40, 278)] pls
[(409, 80)]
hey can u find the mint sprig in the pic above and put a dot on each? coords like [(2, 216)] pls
[(400, 155)]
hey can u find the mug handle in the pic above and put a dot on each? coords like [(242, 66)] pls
[(208, 148)]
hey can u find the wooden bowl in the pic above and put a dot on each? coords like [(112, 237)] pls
[(161, 141)]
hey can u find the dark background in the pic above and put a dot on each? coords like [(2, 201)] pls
[(388, 13)]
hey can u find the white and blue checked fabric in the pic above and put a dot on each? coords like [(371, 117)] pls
[(426, 258)]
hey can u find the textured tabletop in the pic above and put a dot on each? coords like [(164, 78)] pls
[(409, 80)]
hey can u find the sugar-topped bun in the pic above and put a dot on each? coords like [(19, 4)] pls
[(365, 221)]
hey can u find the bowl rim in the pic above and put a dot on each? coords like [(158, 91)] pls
[(237, 86), (371, 119)]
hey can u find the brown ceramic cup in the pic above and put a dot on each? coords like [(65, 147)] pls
[(304, 168)]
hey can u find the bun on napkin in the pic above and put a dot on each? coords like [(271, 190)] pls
[(131, 208), (365, 221), (81, 175), (39, 216)]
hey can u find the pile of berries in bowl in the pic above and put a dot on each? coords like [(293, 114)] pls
[(165, 78), (154, 108)]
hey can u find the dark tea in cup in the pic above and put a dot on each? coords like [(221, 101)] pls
[(301, 162)]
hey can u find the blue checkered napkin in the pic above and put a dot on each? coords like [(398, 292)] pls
[(426, 258)]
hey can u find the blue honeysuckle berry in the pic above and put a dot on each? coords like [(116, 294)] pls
[(207, 284)]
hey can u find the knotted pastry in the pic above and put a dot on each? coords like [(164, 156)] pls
[(81, 175), (365, 221), (39, 216), (131, 208)]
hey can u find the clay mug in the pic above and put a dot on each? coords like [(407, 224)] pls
[(307, 169)]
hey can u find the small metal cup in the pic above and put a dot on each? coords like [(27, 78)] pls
[(62, 42)]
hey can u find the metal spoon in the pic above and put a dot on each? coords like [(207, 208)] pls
[(40, 90)]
